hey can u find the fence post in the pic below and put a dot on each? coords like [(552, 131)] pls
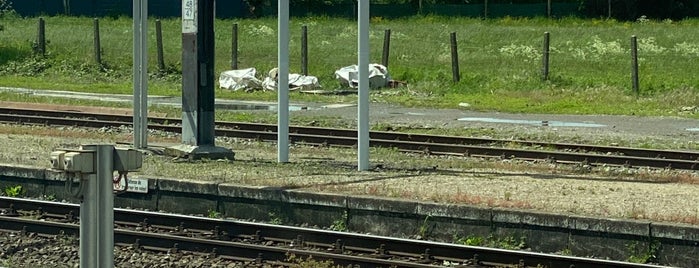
[(159, 45), (609, 9), (454, 58), (485, 9), (386, 47), (304, 50), (41, 38), (545, 57), (634, 64), (234, 47), (98, 47), (548, 8)]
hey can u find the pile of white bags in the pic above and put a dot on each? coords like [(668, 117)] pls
[(378, 76), (246, 79)]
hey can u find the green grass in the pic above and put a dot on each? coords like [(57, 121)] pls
[(500, 61)]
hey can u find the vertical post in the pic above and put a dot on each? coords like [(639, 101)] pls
[(545, 57), (283, 83), (363, 107), (304, 50), (89, 217), (454, 58), (140, 73), (609, 9), (105, 220), (634, 64), (485, 9), (234, 47), (41, 38), (386, 47), (98, 52), (548, 8), (159, 45)]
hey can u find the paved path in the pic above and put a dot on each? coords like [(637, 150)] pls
[(651, 127)]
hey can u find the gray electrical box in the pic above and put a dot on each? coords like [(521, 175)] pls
[(127, 159)]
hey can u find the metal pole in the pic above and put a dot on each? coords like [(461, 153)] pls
[(283, 83), (304, 50), (98, 52), (609, 9), (105, 195), (548, 8), (140, 72), (363, 107), (159, 45), (454, 58), (386, 47), (89, 217), (545, 57), (634, 64), (234, 47)]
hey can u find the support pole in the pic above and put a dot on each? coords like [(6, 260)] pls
[(159, 45), (96, 42), (363, 107), (634, 65), (455, 73), (283, 83), (140, 73), (545, 57), (234, 47), (386, 47), (97, 211), (105, 220), (41, 38), (304, 50), (89, 218)]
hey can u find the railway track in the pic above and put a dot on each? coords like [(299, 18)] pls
[(260, 244), (416, 143)]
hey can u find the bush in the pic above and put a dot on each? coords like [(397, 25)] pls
[(634, 9)]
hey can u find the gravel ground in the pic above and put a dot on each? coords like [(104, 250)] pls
[(32, 251), (613, 192)]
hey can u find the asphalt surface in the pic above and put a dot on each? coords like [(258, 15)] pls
[(461, 117)]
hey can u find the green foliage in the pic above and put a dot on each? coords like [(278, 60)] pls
[(214, 214), (641, 254), (505, 242), (471, 241), (340, 224), (275, 219), (424, 228), (14, 191), (589, 68)]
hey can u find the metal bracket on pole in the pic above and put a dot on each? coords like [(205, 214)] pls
[(95, 164)]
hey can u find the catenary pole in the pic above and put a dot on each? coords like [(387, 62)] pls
[(363, 107), (140, 73), (283, 83)]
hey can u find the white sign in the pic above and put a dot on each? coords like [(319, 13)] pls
[(189, 16), (136, 185)]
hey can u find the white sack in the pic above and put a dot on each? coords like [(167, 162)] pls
[(240, 79), (378, 76), (296, 81)]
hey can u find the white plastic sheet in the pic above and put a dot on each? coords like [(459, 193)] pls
[(240, 79), (245, 79), (378, 76)]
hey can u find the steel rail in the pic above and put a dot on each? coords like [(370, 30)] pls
[(431, 252), (406, 146), (379, 135)]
